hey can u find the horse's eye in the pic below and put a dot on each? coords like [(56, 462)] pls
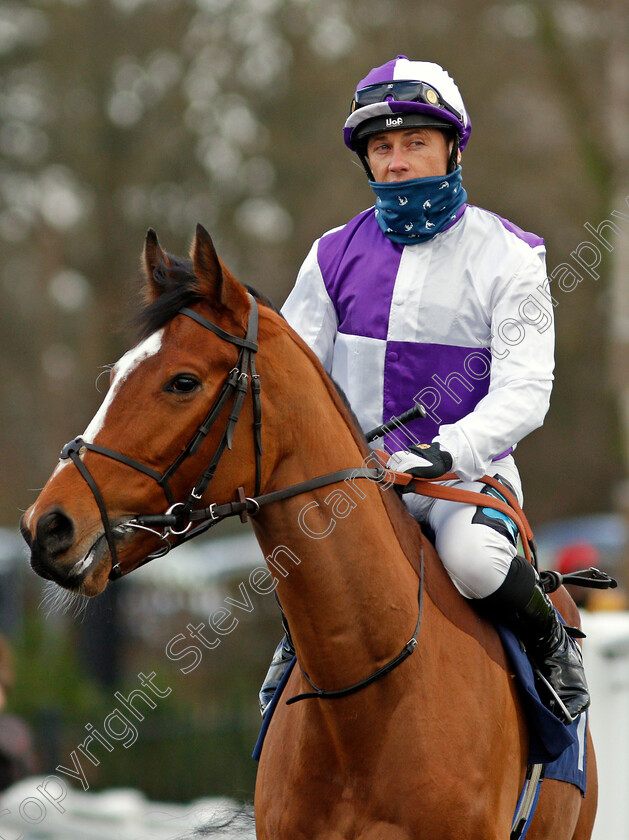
[(183, 384)]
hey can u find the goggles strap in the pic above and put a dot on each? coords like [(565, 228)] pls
[(403, 91)]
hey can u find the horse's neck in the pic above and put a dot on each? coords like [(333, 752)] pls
[(344, 582)]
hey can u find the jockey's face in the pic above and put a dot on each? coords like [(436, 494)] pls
[(406, 153)]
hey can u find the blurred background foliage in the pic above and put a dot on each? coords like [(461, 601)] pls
[(117, 115), (75, 667)]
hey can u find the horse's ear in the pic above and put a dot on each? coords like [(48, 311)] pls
[(216, 282), (155, 263)]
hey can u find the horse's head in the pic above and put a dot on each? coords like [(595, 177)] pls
[(165, 419)]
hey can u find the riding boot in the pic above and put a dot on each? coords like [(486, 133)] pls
[(521, 604), (282, 658)]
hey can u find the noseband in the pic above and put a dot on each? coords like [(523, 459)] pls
[(177, 519)]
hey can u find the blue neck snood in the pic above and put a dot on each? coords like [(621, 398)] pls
[(413, 211)]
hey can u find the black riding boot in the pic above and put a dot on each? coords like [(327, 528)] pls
[(521, 604), (282, 658)]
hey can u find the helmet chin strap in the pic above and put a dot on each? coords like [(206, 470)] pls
[(362, 156), (453, 161)]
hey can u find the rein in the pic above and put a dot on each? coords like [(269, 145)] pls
[(433, 488), (179, 517), (407, 650)]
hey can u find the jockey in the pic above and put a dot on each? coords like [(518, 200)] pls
[(427, 299)]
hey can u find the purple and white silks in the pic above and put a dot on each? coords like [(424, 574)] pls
[(461, 323)]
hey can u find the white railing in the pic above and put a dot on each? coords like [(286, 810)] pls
[(39, 809), (606, 653)]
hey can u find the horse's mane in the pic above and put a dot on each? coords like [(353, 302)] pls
[(179, 288)]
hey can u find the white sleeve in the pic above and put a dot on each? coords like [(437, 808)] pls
[(310, 311), (521, 378)]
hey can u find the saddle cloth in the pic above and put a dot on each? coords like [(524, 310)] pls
[(561, 748)]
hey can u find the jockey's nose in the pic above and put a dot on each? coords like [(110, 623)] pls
[(398, 161)]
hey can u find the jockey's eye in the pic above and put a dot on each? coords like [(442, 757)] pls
[(184, 383)]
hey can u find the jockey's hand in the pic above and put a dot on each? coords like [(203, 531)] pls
[(427, 460)]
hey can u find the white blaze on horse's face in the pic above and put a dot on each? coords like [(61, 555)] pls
[(121, 370)]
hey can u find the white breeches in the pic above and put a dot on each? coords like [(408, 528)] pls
[(476, 554)]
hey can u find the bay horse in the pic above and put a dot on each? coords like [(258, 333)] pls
[(435, 749)]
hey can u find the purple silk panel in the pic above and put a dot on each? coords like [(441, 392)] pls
[(384, 73), (359, 266), (448, 381)]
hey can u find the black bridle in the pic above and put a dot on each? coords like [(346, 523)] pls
[(178, 518)]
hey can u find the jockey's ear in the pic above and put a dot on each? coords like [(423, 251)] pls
[(215, 280), (155, 262)]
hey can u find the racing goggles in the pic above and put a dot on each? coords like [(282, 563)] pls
[(403, 91)]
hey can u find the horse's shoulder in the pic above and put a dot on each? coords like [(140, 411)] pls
[(438, 585), (459, 611)]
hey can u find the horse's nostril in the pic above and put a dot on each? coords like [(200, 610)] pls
[(55, 532), (26, 534)]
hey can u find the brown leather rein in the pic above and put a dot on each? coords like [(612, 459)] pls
[(183, 521), (511, 507), (178, 520)]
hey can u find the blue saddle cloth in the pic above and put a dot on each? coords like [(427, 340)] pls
[(561, 748)]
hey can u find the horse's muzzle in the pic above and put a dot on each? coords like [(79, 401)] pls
[(54, 532), (54, 536)]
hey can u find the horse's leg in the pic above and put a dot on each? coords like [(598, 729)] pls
[(562, 813), (587, 814), (557, 812)]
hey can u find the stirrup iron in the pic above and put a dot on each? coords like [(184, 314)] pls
[(553, 701)]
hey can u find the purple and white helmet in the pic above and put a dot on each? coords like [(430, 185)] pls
[(406, 94)]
